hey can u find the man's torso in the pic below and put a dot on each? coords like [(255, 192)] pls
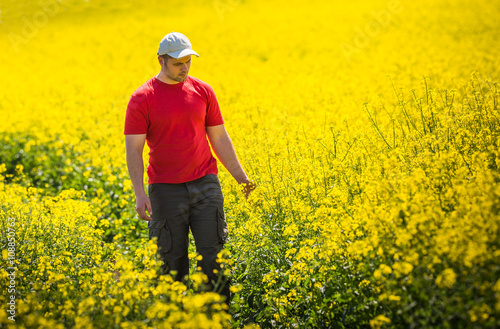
[(175, 117)]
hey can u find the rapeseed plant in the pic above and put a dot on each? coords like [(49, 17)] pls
[(65, 276)]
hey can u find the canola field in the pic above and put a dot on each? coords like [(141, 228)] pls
[(371, 128)]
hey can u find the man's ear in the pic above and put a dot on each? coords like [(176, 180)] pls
[(160, 60)]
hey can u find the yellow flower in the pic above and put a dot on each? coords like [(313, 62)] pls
[(446, 279), (394, 298), (379, 321)]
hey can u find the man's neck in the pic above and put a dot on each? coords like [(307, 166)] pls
[(163, 78)]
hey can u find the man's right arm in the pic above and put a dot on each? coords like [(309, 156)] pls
[(135, 164)]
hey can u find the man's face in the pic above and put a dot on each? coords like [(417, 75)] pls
[(176, 69)]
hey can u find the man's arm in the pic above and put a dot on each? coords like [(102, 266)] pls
[(224, 149), (135, 164)]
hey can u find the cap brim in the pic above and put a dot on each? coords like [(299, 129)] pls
[(183, 53)]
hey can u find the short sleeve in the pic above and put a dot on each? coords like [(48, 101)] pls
[(214, 116), (136, 118)]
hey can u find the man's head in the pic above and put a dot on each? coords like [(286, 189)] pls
[(174, 56), (174, 70)]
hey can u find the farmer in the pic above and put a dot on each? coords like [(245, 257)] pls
[(174, 113)]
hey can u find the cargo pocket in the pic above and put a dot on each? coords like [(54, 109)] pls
[(222, 226), (160, 230)]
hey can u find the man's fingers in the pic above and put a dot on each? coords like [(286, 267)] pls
[(249, 187), (144, 216), (141, 211), (148, 206)]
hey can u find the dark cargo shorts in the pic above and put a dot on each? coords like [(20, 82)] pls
[(197, 205)]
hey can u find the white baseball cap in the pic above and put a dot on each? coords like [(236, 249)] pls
[(177, 45)]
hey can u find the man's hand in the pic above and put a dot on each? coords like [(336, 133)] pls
[(248, 187), (141, 204)]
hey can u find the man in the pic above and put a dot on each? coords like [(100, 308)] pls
[(174, 113)]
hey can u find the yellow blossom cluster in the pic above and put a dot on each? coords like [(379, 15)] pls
[(62, 275)]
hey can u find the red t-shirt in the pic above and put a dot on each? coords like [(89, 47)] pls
[(174, 119)]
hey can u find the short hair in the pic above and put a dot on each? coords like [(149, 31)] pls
[(166, 57)]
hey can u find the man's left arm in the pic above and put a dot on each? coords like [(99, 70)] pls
[(224, 149)]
